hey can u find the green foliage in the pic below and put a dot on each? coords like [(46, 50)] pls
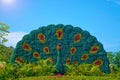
[(3, 32), (117, 59), (111, 57), (9, 72), (95, 71), (41, 68), (38, 69), (15, 71), (84, 69), (114, 59), (70, 78), (5, 53)]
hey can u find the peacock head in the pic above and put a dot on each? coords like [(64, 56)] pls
[(59, 46)]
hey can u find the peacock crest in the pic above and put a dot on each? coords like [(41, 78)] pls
[(78, 47)]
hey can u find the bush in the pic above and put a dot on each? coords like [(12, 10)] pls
[(5, 53), (15, 71), (84, 69), (41, 68)]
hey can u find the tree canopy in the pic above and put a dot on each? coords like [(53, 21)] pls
[(114, 58), (4, 30)]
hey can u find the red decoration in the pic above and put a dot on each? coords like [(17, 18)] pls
[(72, 50), (26, 47), (19, 60), (41, 37), (36, 55), (77, 38), (59, 34), (46, 50), (98, 62), (94, 49), (68, 60), (84, 57)]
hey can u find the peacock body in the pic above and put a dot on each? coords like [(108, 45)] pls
[(77, 47)]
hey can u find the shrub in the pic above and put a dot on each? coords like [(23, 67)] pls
[(84, 69), (15, 71)]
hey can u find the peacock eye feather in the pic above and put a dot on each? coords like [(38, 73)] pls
[(36, 55), (26, 47), (77, 38), (84, 57), (94, 49), (19, 60), (68, 60), (46, 50), (59, 34), (41, 37), (98, 62), (72, 50)]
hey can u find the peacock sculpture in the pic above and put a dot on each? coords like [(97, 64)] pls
[(61, 44)]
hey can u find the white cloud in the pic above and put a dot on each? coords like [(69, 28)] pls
[(14, 37)]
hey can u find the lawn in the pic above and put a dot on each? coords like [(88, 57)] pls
[(70, 78)]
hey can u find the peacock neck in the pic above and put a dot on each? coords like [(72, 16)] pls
[(58, 56), (59, 65)]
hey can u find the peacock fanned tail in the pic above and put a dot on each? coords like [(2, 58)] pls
[(78, 46)]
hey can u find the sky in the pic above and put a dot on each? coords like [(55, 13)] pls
[(99, 17)]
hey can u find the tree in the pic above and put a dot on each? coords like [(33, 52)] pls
[(3, 32), (5, 52), (117, 59), (111, 56)]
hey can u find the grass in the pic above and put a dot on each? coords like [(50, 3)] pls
[(70, 78)]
